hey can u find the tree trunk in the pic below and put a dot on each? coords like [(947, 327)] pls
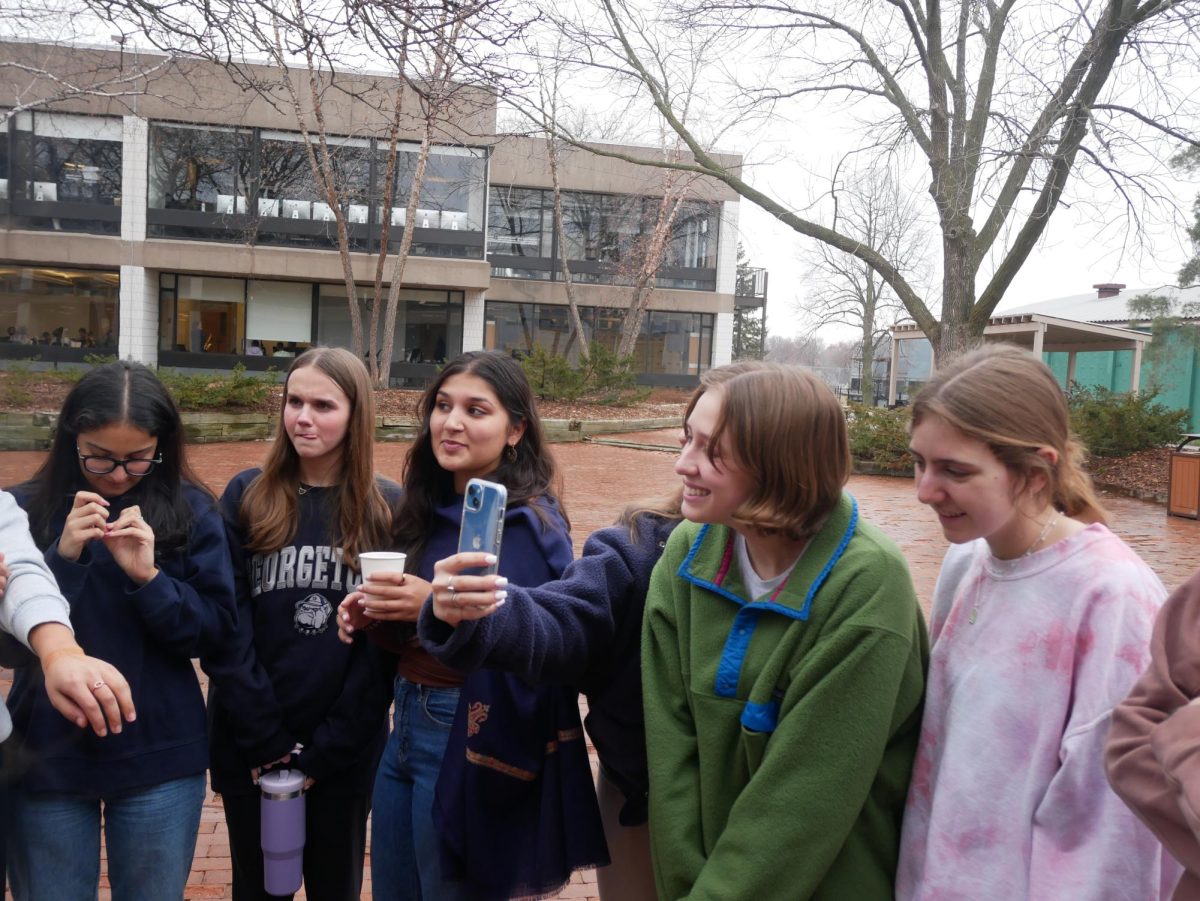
[(560, 238), (958, 332), (410, 223)]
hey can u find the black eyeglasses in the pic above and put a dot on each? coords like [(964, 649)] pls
[(102, 466)]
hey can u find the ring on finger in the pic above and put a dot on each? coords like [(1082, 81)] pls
[(99, 685)]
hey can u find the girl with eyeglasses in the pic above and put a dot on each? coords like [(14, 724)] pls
[(138, 548)]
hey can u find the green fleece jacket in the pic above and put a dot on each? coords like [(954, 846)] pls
[(781, 732)]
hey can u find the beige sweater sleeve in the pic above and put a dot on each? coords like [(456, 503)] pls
[(1153, 751)]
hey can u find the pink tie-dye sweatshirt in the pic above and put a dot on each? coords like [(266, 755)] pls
[(1008, 797)]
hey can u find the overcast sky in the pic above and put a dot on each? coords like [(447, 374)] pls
[(1083, 246)]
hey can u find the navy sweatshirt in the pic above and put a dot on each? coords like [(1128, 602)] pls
[(584, 629), (149, 633), (287, 678)]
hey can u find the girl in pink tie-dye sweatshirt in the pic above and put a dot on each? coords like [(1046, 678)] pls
[(1041, 623)]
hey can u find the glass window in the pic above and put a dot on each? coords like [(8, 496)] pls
[(211, 315), (518, 225), (608, 327), (4, 161), (428, 323), (202, 169), (672, 342), (72, 159), (510, 327), (694, 236), (452, 191), (60, 307), (278, 318)]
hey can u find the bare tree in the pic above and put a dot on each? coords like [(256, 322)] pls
[(440, 63), (1004, 104), (549, 101), (873, 208), (56, 70), (646, 255)]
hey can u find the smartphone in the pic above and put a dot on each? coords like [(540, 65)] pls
[(483, 522)]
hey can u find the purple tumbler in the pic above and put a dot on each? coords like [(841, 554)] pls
[(282, 831)]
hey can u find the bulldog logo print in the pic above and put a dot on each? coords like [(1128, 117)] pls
[(313, 614)]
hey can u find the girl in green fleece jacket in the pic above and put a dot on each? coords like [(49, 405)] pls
[(783, 659)]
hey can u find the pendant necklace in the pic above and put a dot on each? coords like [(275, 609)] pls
[(1050, 524)]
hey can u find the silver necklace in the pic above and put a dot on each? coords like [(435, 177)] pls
[(1050, 524)]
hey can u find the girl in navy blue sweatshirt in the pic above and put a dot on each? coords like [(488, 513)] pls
[(480, 789), (584, 629), (138, 549), (287, 691)]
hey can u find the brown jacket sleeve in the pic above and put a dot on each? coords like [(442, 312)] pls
[(1153, 752)]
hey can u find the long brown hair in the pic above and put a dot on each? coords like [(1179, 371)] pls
[(1010, 400), (670, 505), (530, 474), (359, 515), (786, 428)]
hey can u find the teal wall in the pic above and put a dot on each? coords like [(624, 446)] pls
[(1175, 373)]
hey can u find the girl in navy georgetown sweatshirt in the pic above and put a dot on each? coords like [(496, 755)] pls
[(138, 549), (287, 691), (584, 629), (484, 791)]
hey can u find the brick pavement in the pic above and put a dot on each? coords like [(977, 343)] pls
[(598, 481)]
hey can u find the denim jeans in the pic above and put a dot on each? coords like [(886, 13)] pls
[(405, 861), (54, 846)]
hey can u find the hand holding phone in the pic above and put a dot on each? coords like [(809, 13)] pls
[(483, 522)]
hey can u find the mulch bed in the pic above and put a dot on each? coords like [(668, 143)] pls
[(1141, 475), (48, 394)]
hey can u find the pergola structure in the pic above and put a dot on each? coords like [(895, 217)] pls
[(1042, 334)]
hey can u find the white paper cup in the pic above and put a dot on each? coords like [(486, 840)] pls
[(373, 562)]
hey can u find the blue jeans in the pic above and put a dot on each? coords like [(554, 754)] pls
[(54, 846), (405, 861)]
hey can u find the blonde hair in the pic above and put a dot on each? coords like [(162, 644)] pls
[(785, 427), (1010, 400), (359, 516)]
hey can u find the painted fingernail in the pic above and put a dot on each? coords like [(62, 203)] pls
[(491, 558), (501, 581), (501, 595), (501, 602)]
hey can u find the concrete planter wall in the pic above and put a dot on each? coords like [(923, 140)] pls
[(33, 431)]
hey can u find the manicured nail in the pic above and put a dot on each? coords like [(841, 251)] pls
[(501, 603), (501, 595), (491, 558), (501, 581)]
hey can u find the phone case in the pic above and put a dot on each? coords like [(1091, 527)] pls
[(483, 522)]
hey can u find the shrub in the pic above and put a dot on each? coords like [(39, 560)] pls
[(206, 392), (1115, 424), (604, 379), (16, 385), (879, 436)]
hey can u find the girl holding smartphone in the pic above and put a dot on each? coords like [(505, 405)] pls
[(480, 743), (783, 657), (287, 691), (584, 629), (138, 548), (1041, 623)]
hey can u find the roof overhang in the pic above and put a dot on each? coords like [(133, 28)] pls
[(1045, 334)]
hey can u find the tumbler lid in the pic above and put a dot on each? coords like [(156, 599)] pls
[(282, 784)]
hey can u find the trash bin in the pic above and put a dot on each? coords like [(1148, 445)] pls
[(1183, 484)]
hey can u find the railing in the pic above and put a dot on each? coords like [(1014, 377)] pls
[(751, 290)]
